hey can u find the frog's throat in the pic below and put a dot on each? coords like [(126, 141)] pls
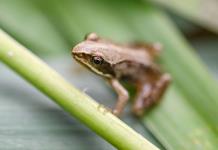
[(86, 64)]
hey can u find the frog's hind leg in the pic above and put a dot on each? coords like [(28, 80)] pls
[(149, 94), (158, 90), (143, 92)]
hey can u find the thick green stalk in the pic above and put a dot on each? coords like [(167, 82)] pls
[(74, 102)]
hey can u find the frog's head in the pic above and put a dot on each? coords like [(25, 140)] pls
[(94, 55)]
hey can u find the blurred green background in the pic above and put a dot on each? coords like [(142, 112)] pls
[(29, 120)]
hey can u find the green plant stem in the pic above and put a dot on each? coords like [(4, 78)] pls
[(74, 102)]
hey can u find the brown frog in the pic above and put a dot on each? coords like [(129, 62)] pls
[(133, 63)]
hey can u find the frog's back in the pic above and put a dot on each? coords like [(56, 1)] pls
[(122, 53), (137, 56), (136, 65)]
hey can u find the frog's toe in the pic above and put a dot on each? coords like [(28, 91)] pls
[(116, 112), (138, 111)]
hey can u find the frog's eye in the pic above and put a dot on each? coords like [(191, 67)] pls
[(97, 60)]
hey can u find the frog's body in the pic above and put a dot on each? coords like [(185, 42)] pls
[(133, 63)]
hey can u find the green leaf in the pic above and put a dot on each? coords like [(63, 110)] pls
[(31, 27), (202, 12)]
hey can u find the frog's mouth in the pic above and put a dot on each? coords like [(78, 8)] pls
[(85, 63)]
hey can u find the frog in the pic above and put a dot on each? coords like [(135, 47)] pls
[(133, 63)]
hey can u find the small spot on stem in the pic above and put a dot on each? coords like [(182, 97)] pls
[(101, 108), (10, 53)]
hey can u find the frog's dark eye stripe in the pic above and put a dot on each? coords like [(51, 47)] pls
[(97, 60)]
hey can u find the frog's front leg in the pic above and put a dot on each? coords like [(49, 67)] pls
[(123, 96)]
